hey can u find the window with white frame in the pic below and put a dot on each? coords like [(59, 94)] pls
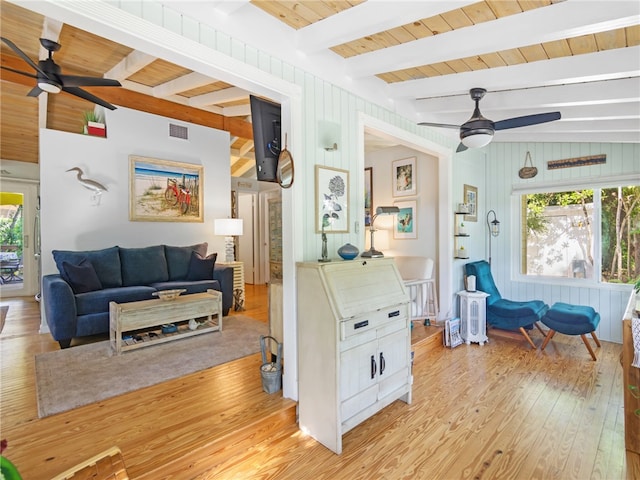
[(589, 234)]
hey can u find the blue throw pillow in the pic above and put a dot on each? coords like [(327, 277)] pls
[(201, 268), (178, 259), (82, 277), (106, 263)]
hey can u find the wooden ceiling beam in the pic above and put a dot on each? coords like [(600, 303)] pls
[(142, 102)]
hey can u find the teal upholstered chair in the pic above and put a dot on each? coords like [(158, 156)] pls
[(503, 313)]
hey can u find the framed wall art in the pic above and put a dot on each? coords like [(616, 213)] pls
[(165, 191), (405, 220), (332, 200), (368, 195), (404, 177), (471, 199)]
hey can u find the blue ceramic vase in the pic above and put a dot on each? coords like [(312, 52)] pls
[(348, 251)]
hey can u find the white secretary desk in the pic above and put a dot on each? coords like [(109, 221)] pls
[(354, 344)]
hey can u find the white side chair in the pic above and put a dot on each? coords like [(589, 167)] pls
[(417, 273)]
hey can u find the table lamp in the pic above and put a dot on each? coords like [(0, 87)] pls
[(229, 228), (372, 252)]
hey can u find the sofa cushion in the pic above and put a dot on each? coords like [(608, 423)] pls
[(178, 259), (190, 287), (98, 301), (82, 277), (201, 268), (143, 266), (106, 263)]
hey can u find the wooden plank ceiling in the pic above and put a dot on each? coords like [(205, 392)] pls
[(157, 86)]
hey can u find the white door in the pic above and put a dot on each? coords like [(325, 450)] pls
[(246, 242), (19, 270)]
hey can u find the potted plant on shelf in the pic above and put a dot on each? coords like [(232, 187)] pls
[(94, 123)]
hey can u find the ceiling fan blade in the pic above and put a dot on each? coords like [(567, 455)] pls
[(526, 120), (24, 56), (34, 92), (461, 148), (78, 92), (443, 125), (77, 81), (18, 71)]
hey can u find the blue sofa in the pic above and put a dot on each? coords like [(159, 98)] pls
[(76, 300)]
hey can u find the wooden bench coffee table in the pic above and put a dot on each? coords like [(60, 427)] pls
[(145, 314)]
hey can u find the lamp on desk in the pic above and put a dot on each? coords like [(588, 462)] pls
[(372, 252), (229, 228)]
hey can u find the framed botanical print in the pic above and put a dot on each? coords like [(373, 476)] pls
[(404, 177), (368, 195), (405, 220), (332, 200), (471, 199)]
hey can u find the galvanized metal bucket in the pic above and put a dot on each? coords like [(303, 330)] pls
[(271, 372)]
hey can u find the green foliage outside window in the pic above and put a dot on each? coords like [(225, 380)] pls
[(11, 231), (619, 235)]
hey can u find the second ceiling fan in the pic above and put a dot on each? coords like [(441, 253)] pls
[(50, 78), (478, 131)]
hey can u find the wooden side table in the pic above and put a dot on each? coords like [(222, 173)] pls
[(473, 316), (238, 284)]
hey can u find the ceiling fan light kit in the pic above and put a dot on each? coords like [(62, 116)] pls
[(478, 131)]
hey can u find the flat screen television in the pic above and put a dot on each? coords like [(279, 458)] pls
[(266, 120)]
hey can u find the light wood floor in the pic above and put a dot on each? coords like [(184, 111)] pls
[(499, 411)]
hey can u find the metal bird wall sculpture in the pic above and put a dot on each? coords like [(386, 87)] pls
[(94, 187)]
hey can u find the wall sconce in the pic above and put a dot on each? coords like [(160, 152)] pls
[(328, 135), (494, 229), (372, 252), (229, 228)]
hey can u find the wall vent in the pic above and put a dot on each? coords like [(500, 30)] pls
[(178, 131)]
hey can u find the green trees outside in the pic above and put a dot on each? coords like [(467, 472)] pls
[(11, 231), (620, 226)]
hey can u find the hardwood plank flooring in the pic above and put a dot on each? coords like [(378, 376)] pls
[(502, 410)]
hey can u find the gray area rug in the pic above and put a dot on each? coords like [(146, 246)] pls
[(77, 376)]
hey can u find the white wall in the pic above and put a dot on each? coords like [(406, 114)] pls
[(70, 221), (426, 198)]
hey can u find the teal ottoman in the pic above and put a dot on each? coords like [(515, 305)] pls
[(572, 320)]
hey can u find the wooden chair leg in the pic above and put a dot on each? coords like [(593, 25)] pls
[(540, 329), (593, 334), (586, 342), (526, 335), (547, 338)]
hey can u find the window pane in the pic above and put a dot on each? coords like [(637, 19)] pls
[(559, 234)]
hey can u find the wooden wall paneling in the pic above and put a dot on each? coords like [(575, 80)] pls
[(18, 139)]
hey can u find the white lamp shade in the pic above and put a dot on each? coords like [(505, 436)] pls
[(228, 227), (477, 140)]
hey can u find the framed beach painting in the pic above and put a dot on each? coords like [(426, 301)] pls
[(405, 224), (165, 191), (332, 200), (404, 177), (368, 195), (471, 199)]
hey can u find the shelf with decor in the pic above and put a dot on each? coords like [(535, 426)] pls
[(460, 233)]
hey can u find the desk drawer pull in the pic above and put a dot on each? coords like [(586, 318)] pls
[(361, 324)]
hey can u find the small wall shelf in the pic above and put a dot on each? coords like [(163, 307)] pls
[(458, 237)]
